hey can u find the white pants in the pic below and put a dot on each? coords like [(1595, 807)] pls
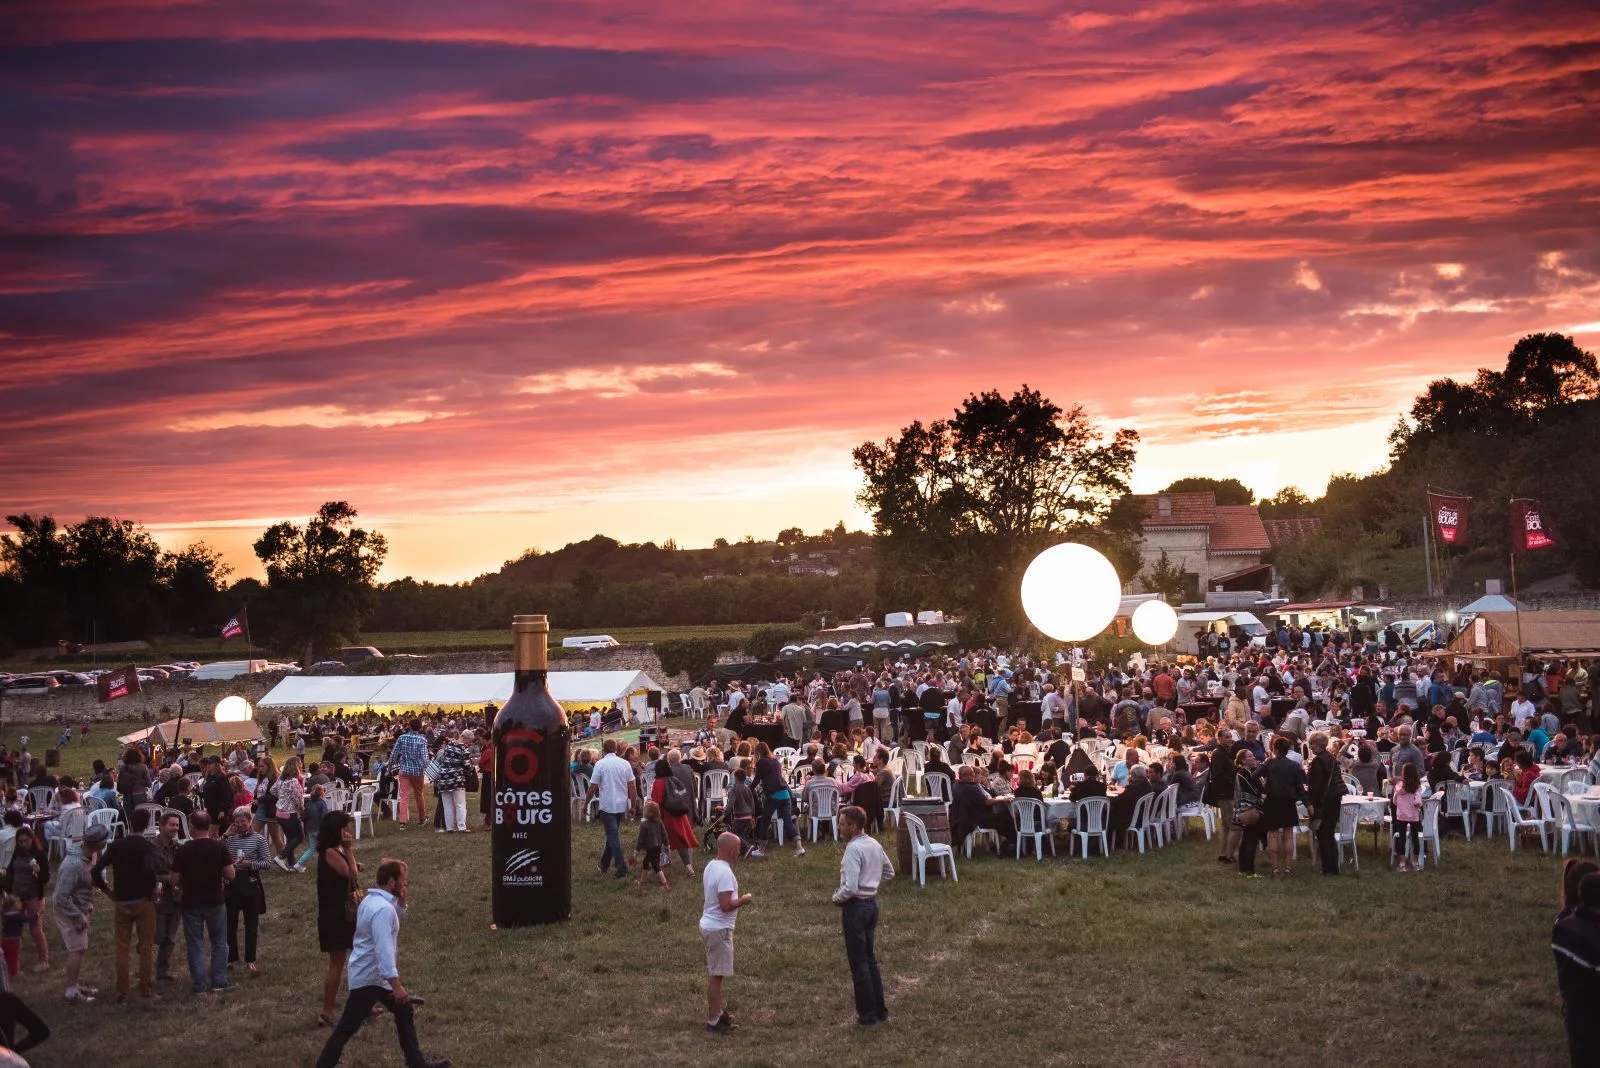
[(455, 808)]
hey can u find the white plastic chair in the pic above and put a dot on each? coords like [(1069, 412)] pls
[(1458, 803), (982, 834), (1345, 835), (42, 799), (361, 808), (1093, 813), (1033, 825), (825, 806), (1497, 803), (785, 752), (1164, 816), (1557, 812), (1352, 785), (1200, 811), (938, 786), (891, 807), (1430, 829), (1140, 827), (152, 827), (1517, 819), (713, 791), (924, 849), (109, 818)]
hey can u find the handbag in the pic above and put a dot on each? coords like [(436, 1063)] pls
[(1249, 817), (352, 900), (472, 783)]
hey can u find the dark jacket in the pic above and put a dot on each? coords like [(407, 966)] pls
[(1283, 778), (1324, 785)]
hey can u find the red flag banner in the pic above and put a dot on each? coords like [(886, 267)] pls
[(1528, 528), (1449, 517), (118, 683), (234, 627)]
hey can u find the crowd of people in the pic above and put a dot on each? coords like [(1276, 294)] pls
[(1266, 738)]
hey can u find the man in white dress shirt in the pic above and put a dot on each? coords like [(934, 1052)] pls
[(861, 871)]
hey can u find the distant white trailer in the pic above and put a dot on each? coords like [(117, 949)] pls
[(899, 619), (228, 669), (928, 618)]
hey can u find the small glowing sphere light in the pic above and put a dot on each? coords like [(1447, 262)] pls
[(234, 710), (1154, 622), (1070, 592)]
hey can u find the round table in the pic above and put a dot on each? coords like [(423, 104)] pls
[(1586, 809), (1059, 808)]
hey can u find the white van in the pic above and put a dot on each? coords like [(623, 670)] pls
[(228, 669), (898, 619), (929, 618), (590, 641)]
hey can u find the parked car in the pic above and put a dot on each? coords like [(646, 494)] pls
[(70, 678), (152, 675), (32, 684), (407, 656), (355, 654), (328, 666)]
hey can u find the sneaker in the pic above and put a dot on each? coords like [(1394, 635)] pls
[(283, 865), (78, 997), (799, 851), (299, 869), (41, 967), (754, 853), (723, 1024)]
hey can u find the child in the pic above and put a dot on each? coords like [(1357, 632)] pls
[(740, 808), (12, 920), (1408, 816), (316, 808), (651, 841)]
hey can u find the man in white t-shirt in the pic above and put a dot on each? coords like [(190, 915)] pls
[(613, 783), (1260, 699), (721, 910), (1522, 710)]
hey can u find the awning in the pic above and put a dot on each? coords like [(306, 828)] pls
[(198, 731)]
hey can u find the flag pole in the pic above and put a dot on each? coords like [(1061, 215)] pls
[(1516, 603), (1427, 551)]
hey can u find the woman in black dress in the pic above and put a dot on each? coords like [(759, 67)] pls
[(1283, 787), (336, 876)]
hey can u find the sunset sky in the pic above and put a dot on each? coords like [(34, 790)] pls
[(510, 274)]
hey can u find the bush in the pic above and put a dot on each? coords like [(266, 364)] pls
[(766, 642), (694, 656)]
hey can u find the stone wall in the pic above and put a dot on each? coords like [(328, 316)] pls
[(1435, 607), (70, 704)]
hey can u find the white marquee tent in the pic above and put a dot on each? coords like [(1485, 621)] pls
[(573, 689)]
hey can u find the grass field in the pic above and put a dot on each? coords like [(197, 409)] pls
[(1162, 959), (422, 641)]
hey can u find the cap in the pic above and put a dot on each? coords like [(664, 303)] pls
[(96, 835)]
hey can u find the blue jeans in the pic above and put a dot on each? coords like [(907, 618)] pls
[(860, 919), (781, 809), (612, 822), (198, 925)]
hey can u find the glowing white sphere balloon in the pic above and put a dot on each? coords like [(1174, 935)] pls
[(234, 710), (1154, 622), (1070, 592)]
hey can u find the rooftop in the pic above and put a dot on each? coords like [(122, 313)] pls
[(1238, 529)]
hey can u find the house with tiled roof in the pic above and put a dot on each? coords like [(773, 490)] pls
[(1214, 544), (1283, 531)]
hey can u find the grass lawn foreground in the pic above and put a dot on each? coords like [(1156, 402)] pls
[(1160, 959)]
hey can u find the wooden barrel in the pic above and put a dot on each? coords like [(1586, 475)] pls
[(933, 816)]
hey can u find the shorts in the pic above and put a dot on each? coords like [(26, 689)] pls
[(76, 941), (719, 951), (652, 859)]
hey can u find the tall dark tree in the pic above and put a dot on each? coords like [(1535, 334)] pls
[(1227, 490), (195, 577), (320, 581), (962, 504)]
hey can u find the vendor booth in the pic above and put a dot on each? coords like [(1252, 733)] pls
[(199, 732)]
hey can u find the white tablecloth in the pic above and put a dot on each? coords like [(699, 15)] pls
[(1059, 808), (1372, 808)]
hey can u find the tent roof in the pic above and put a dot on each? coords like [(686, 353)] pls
[(199, 731), (1542, 632), (358, 691), (1491, 602)]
